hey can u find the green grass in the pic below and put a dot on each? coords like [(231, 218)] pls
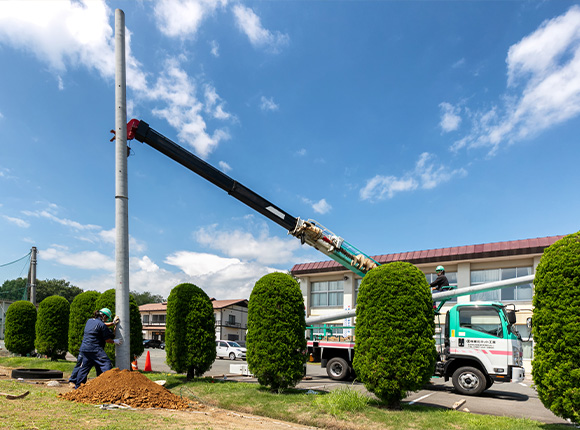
[(339, 410)]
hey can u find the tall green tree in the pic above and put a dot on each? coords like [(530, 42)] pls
[(146, 297), (81, 309), (395, 349), (19, 333), (556, 317), (276, 326), (190, 331), (107, 300), (14, 289), (56, 287), (52, 327)]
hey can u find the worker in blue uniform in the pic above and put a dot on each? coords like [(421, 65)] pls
[(92, 351)]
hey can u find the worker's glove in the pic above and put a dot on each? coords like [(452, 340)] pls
[(117, 320), (118, 342)]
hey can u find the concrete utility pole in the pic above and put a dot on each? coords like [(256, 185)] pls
[(122, 353), (32, 277)]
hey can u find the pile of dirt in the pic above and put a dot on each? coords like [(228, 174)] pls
[(129, 388)]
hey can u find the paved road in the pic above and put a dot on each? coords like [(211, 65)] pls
[(513, 400)]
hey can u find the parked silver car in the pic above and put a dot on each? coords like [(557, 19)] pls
[(230, 349)]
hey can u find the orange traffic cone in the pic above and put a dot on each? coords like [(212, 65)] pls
[(134, 365), (148, 363)]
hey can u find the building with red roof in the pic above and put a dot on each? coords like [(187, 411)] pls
[(328, 287)]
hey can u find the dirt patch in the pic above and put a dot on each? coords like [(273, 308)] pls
[(129, 388)]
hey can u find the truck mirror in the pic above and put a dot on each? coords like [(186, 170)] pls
[(529, 322), (511, 315)]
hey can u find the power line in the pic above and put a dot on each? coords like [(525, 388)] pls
[(16, 261)]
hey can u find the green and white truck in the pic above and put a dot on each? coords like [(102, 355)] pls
[(478, 345)]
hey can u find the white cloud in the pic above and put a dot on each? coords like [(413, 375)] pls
[(320, 207), (431, 176), (183, 110), (225, 167), (62, 221), (381, 187), (16, 221), (240, 244), (543, 86), (215, 48), (182, 18), (249, 23), (213, 103), (450, 119), (425, 176), (219, 277), (90, 260), (63, 34), (268, 104)]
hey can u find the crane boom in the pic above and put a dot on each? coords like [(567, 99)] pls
[(308, 231)]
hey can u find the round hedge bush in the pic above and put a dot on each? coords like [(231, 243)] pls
[(190, 331), (107, 300), (395, 349), (20, 328), (81, 309), (275, 339), (556, 318), (52, 327)]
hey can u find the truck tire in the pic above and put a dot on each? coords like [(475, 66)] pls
[(469, 381), (337, 369)]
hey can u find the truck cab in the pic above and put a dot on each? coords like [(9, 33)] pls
[(481, 347)]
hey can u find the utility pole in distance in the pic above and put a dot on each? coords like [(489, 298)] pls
[(32, 275), (122, 352)]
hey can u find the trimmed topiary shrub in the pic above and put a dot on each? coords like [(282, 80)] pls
[(190, 331), (395, 349), (107, 300), (556, 318), (20, 328), (81, 309), (275, 342), (52, 327)]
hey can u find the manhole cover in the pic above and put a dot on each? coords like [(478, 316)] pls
[(36, 374)]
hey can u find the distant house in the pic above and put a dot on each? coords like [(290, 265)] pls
[(231, 319)]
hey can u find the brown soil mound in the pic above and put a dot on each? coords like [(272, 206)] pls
[(129, 388)]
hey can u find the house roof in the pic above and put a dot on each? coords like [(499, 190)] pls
[(455, 253), (217, 304)]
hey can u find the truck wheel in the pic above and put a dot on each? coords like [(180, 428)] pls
[(469, 381), (337, 369)]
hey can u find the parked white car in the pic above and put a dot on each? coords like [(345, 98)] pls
[(230, 349)]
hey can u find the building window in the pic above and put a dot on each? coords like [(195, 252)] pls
[(451, 277), (327, 294), (519, 292), (158, 319), (145, 319)]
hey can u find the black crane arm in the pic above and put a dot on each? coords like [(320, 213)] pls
[(141, 131)]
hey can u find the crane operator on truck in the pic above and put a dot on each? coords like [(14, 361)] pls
[(441, 281)]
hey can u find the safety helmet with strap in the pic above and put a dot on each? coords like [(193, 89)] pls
[(107, 312), (440, 269)]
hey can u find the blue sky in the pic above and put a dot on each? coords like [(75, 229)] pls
[(400, 126)]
